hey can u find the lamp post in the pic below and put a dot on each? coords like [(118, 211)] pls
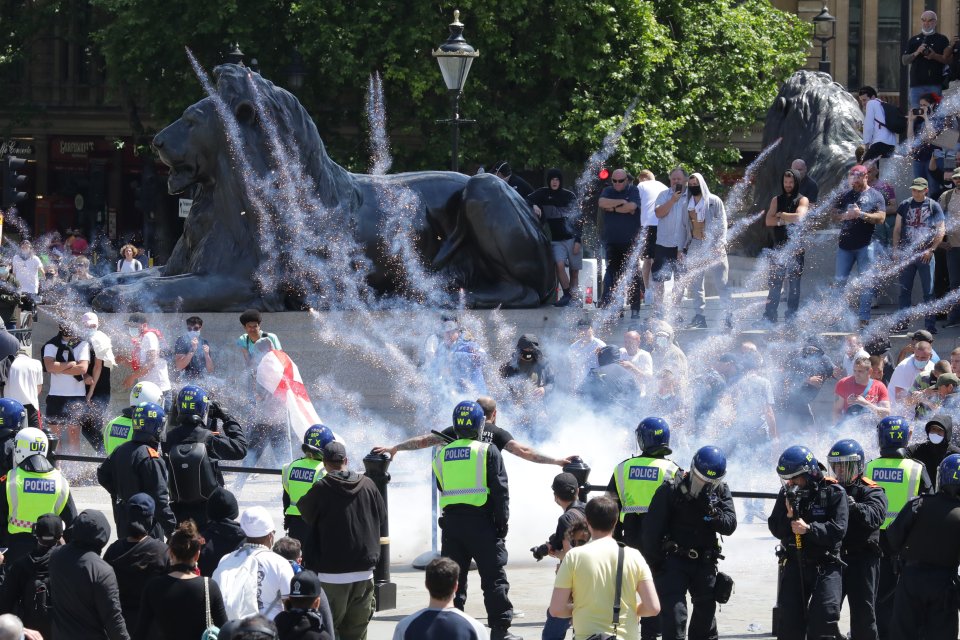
[(824, 30), (296, 71), (455, 57)]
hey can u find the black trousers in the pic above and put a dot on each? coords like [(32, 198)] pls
[(300, 530), (679, 576), (925, 605), (886, 586), (618, 257), (469, 537), (814, 613), (860, 589), (791, 272)]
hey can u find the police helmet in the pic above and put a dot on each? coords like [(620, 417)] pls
[(893, 432), (193, 401), (948, 475), (148, 418), (30, 442), (468, 420), (12, 415), (316, 438), (653, 435), (708, 469), (145, 391), (846, 461), (796, 461)]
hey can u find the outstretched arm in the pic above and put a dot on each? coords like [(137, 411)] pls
[(413, 444), (532, 455)]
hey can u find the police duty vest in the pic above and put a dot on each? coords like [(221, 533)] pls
[(31, 495), (116, 432), (297, 478), (900, 479), (638, 479), (461, 469)]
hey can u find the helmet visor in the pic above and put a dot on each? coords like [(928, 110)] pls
[(699, 482), (846, 469)]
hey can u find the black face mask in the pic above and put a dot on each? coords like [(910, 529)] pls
[(694, 191), (528, 356)]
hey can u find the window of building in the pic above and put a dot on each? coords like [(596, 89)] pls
[(854, 52), (888, 45)]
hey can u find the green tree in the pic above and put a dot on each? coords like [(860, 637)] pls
[(552, 78)]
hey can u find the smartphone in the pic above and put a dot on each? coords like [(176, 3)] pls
[(678, 188)]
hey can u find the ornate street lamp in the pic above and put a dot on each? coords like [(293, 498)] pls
[(824, 30), (455, 57), (234, 56)]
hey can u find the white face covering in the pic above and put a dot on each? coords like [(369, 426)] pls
[(935, 438), (928, 31), (133, 331)]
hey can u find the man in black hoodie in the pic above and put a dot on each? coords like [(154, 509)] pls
[(610, 384), (138, 557), (306, 613), (222, 534), (558, 208), (20, 592), (86, 600), (347, 519), (528, 374), (938, 446)]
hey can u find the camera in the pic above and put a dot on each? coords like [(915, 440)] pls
[(917, 112), (539, 553), (678, 188), (927, 49)]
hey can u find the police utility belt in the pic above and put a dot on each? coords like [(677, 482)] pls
[(707, 555), (808, 559)]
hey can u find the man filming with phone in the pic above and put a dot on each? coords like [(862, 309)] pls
[(673, 236), (926, 54)]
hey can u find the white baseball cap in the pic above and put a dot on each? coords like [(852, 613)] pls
[(256, 522), (90, 319)]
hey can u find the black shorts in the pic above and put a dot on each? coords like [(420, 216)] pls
[(64, 409), (651, 240), (665, 263)]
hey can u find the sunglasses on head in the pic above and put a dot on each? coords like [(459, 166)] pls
[(579, 542), (615, 181)]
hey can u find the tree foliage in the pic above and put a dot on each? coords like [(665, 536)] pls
[(553, 78)]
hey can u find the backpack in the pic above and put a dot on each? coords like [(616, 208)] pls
[(64, 353), (237, 577), (36, 601), (896, 122), (193, 475)]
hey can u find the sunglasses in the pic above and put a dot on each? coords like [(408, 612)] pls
[(578, 543), (615, 181)]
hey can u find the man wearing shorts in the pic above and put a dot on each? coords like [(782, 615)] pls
[(66, 358), (650, 189), (673, 236), (558, 207), (620, 204)]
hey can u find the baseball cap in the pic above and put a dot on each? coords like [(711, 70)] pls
[(565, 485), (48, 528), (584, 322), (956, 173), (922, 334), (919, 183), (947, 378), (334, 452), (90, 319), (858, 169), (137, 318), (256, 522), (305, 584)]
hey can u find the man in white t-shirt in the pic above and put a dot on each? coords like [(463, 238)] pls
[(583, 353), (650, 188), (584, 588), (27, 269), (901, 382), (636, 360), (147, 363), (24, 383), (66, 358), (274, 574), (440, 620)]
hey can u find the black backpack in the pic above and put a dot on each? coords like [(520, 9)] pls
[(896, 122), (193, 475), (36, 600)]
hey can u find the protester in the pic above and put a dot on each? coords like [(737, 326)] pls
[(708, 249), (650, 189), (878, 139), (128, 262), (859, 391), (222, 535), (441, 619), (503, 171), (673, 236), (916, 236), (147, 362), (939, 431), (784, 216), (306, 614), (97, 376), (19, 592), (558, 207), (926, 54), (192, 356)]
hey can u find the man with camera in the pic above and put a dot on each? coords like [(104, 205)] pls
[(673, 236), (926, 54), (565, 487)]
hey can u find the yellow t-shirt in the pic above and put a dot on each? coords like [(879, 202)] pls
[(590, 571)]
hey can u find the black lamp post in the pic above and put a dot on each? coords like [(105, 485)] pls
[(234, 56), (385, 591), (824, 30), (455, 57), (296, 71)]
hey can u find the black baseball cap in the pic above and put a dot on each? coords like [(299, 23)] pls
[(565, 485), (136, 318), (334, 452), (48, 528), (305, 584)]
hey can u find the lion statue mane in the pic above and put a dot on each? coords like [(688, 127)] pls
[(239, 248)]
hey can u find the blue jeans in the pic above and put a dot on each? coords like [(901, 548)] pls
[(916, 92), (925, 271), (864, 259), (953, 268), (555, 628)]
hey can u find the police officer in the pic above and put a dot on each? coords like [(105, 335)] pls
[(867, 506), (810, 519), (633, 484), (680, 537), (298, 476), (13, 418), (120, 429), (475, 503), (901, 479), (32, 488), (136, 467), (926, 534), (196, 425)]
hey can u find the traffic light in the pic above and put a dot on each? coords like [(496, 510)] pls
[(13, 181), (603, 174)]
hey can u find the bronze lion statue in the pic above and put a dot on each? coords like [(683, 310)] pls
[(277, 224)]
